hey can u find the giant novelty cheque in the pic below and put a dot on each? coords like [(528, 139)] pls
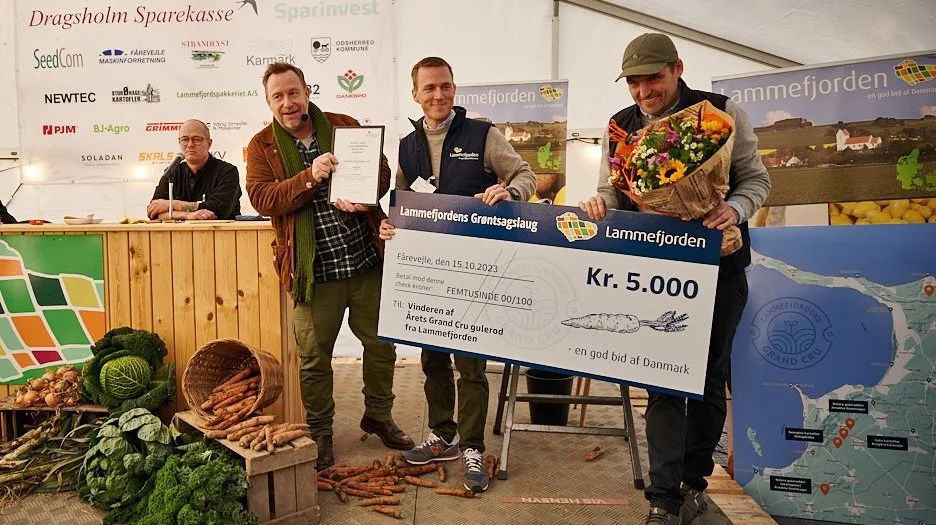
[(627, 299)]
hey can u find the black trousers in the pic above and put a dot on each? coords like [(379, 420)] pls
[(682, 433)]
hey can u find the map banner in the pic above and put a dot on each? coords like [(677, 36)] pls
[(51, 307), (627, 299), (833, 380)]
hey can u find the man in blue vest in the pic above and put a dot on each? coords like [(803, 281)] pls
[(681, 435), (455, 155)]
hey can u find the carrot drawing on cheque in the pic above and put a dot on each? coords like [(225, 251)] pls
[(627, 323)]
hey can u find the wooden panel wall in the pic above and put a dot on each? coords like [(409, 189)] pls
[(193, 285)]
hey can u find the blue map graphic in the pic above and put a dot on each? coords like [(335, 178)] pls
[(833, 374)]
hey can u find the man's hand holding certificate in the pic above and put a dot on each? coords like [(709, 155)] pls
[(356, 177)]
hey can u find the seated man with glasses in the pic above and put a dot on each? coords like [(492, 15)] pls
[(203, 187)]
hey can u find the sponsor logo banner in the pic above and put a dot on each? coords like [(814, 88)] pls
[(116, 129), (101, 159)]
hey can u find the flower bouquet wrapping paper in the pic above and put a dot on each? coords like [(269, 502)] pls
[(678, 165)]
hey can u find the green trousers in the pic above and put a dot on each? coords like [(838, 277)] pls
[(316, 326), (472, 397)]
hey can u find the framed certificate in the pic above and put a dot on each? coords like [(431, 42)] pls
[(357, 177)]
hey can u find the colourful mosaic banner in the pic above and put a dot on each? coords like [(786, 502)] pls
[(51, 302)]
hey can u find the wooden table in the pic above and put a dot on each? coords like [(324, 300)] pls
[(9, 426)]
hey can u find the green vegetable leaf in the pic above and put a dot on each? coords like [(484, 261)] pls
[(151, 431), (133, 462)]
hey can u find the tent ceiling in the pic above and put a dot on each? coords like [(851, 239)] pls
[(806, 31)]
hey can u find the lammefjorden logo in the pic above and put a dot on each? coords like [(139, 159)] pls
[(351, 82)]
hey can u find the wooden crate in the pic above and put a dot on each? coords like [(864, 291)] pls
[(282, 485), (10, 424)]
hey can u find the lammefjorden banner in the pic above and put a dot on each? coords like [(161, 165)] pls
[(532, 115), (104, 86), (847, 133)]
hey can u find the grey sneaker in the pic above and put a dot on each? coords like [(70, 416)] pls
[(476, 479), (658, 516), (693, 506), (433, 448)]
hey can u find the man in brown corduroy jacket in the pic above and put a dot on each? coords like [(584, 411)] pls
[(328, 255)]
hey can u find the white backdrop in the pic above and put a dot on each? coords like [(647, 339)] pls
[(486, 41)]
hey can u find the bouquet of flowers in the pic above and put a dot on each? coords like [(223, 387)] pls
[(678, 165)]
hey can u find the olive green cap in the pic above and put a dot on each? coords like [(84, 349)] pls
[(647, 55)]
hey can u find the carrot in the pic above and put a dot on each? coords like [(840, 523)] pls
[(464, 493), (394, 488), (216, 434), (285, 437), (416, 471), (247, 438), (235, 435), (385, 480), (243, 403), (373, 489), (357, 493), (389, 461), (419, 482), (382, 500), (341, 495), (490, 465), (244, 384), (256, 440), (322, 485), (442, 473), (388, 511), (595, 453), (230, 399), (246, 372), (252, 422), (268, 437)]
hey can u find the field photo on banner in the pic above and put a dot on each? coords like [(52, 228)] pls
[(533, 116)]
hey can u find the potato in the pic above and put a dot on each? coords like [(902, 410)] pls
[(931, 203), (932, 219), (862, 221), (848, 208), (913, 217), (925, 211), (877, 217), (839, 220), (863, 208), (918, 201), (898, 207), (896, 221)]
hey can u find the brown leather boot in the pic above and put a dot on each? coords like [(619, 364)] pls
[(326, 452), (388, 432)]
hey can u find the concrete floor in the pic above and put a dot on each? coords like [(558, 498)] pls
[(541, 466)]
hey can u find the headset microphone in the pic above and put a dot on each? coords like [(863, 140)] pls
[(305, 117)]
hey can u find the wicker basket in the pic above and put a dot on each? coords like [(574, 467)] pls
[(218, 359)]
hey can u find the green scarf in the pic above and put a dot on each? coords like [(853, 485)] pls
[(304, 233)]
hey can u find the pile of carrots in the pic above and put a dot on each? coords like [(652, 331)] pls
[(377, 483), (231, 404)]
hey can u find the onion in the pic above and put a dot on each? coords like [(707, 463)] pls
[(19, 399), (39, 383), (48, 376), (31, 397), (71, 376), (52, 399), (60, 386)]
